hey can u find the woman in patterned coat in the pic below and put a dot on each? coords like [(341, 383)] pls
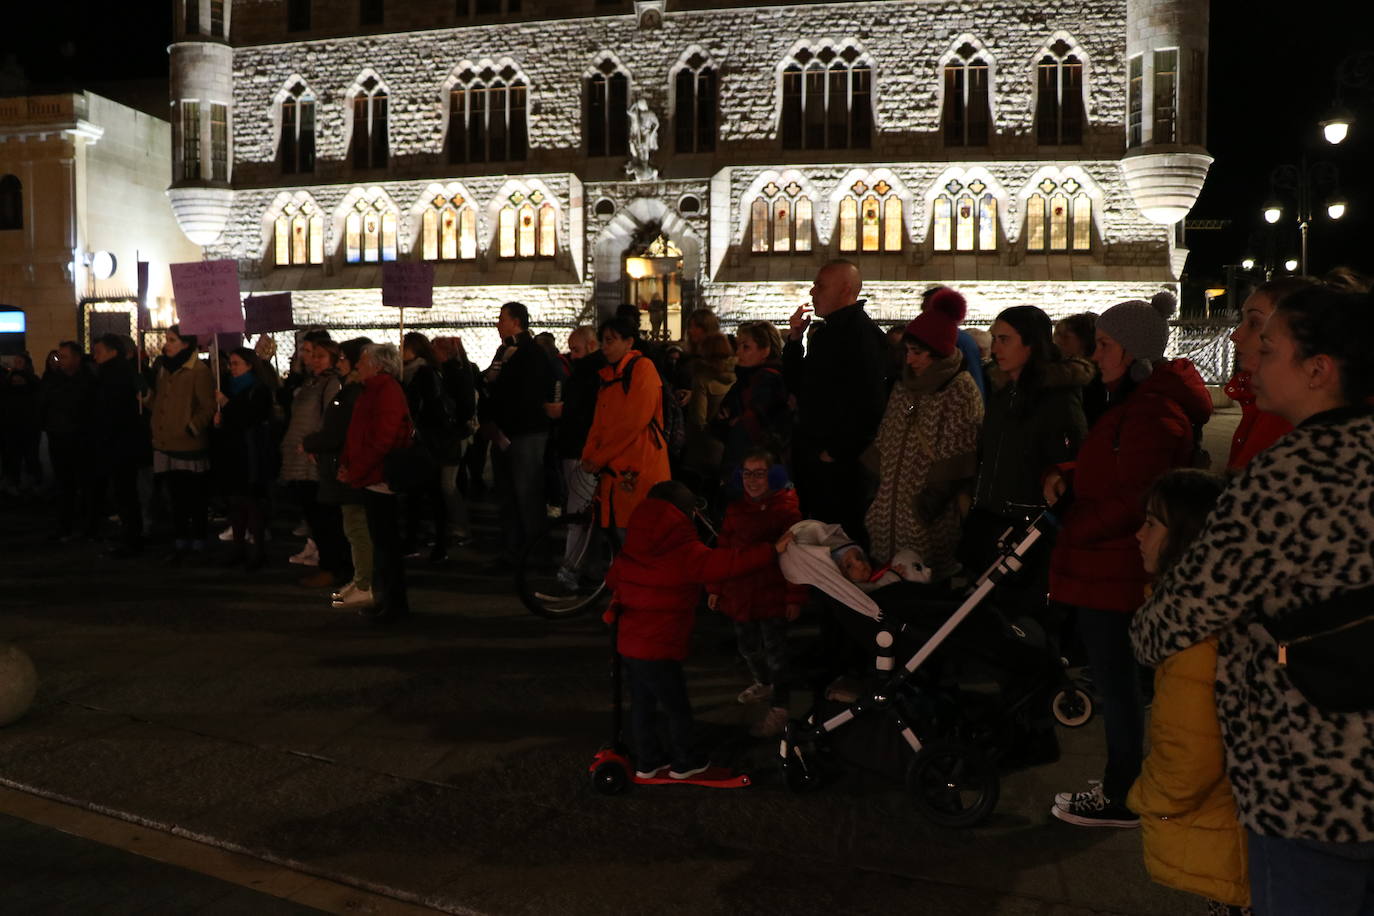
[(1296, 528), (927, 446)]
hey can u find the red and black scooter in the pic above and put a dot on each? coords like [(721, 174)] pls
[(612, 770)]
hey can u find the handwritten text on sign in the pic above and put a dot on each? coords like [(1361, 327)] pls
[(207, 294), (268, 313), (408, 285)]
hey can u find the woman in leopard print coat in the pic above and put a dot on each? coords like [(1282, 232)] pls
[(1296, 528)]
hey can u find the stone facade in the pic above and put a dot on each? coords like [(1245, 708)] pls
[(554, 47)]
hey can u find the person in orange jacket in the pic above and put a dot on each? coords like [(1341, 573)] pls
[(1192, 836), (626, 440)]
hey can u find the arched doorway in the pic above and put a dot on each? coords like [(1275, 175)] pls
[(653, 281)]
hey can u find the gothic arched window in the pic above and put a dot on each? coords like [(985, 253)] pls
[(449, 229), (871, 218), (298, 236), (1059, 217), (965, 217), (780, 219), (827, 100), (298, 131), (488, 117), (694, 107), (1059, 97), (11, 203), (608, 111), (216, 18), (370, 144), (370, 232), (967, 110), (526, 227)]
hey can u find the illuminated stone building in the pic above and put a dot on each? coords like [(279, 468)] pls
[(577, 154)]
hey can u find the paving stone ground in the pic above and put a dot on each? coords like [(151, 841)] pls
[(443, 762)]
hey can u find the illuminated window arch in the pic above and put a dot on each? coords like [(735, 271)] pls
[(298, 234), (370, 147), (488, 116), (964, 217), (297, 146), (967, 111), (1059, 217), (526, 227), (780, 219), (1059, 109), (448, 229), (370, 232), (870, 218), (827, 100)]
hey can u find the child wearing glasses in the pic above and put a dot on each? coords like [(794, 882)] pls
[(763, 603)]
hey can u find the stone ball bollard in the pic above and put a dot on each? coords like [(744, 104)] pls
[(18, 684)]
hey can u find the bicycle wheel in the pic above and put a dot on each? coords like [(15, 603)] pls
[(556, 586)]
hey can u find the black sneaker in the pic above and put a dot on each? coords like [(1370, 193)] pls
[(1094, 809)]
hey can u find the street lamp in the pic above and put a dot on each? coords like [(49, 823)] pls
[(1290, 265), (1354, 72), (1304, 179), (1336, 128), (1248, 264)]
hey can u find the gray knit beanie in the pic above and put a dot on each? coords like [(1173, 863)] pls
[(1142, 329)]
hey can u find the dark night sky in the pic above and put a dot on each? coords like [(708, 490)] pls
[(1273, 70)]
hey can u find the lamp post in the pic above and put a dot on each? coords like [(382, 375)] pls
[(1304, 180), (1354, 72)]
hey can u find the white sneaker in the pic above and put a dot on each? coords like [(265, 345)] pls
[(227, 534), (755, 693), (358, 598), (309, 555), (343, 593)]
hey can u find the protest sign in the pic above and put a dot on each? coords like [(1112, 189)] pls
[(207, 294), (268, 313)]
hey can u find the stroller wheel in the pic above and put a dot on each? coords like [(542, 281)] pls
[(1072, 707), (610, 778), (952, 784)]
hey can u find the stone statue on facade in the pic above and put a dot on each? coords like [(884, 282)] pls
[(643, 141)]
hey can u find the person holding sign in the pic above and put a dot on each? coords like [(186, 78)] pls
[(183, 407)]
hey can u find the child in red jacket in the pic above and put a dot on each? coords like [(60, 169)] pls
[(761, 604), (656, 580)]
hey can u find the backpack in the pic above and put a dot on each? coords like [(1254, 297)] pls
[(673, 432)]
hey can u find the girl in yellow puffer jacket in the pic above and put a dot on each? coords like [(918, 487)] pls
[(1192, 838)]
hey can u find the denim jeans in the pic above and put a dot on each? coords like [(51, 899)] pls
[(763, 644), (653, 684), (519, 469), (1309, 878), (1107, 641)]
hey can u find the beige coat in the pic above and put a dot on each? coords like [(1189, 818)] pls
[(183, 405)]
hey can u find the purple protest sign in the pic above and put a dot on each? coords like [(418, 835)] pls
[(207, 294), (268, 313), (408, 285)]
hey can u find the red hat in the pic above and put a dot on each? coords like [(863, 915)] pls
[(936, 329), (949, 301)]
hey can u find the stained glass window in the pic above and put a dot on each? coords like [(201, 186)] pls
[(370, 232), (298, 235), (803, 224), (965, 218), (506, 232), (944, 223), (782, 224), (1059, 217), (849, 224), (526, 227), (448, 229), (547, 230), (871, 219), (892, 224)]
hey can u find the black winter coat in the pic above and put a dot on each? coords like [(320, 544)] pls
[(839, 384), (515, 400), (327, 444), (579, 404), (67, 402), (121, 435), (244, 456)]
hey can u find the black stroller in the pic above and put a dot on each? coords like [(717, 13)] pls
[(954, 736)]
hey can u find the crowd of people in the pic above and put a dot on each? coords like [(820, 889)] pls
[(923, 444)]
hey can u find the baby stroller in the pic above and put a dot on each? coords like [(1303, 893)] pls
[(954, 734)]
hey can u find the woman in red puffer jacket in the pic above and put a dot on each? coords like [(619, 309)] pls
[(1153, 407)]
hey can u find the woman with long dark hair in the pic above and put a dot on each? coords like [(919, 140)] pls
[(1290, 540)]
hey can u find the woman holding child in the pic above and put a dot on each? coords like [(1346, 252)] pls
[(927, 442)]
